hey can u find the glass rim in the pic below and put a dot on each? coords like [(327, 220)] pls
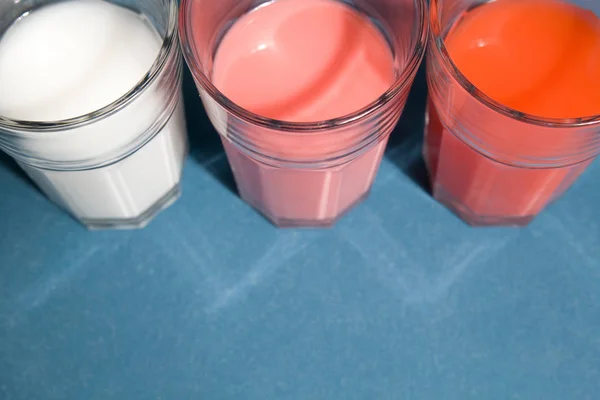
[(436, 33), (140, 87), (400, 83)]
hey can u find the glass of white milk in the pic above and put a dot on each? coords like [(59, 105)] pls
[(91, 105)]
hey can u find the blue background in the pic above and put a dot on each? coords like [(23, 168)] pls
[(401, 300)]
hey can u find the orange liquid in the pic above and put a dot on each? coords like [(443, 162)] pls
[(540, 57)]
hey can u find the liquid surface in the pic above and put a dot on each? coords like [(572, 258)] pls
[(303, 61), (72, 58), (541, 57)]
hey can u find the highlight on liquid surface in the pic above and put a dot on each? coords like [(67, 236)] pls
[(540, 57), (70, 58), (303, 61)]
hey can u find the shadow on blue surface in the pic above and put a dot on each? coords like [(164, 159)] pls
[(404, 147), (205, 144), (6, 162)]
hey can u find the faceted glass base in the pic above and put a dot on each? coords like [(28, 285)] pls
[(139, 222), (304, 197), (315, 223), (474, 219), (483, 191)]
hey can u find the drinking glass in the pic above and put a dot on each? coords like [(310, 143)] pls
[(488, 163), (304, 174), (119, 166)]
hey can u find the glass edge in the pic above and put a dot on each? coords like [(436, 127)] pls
[(153, 73), (401, 83), (437, 39)]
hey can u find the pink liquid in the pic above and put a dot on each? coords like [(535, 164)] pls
[(304, 61)]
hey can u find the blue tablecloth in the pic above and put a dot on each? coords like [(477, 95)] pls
[(401, 300)]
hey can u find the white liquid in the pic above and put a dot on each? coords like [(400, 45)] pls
[(72, 58)]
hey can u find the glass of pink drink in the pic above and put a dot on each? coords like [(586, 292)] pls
[(304, 94)]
